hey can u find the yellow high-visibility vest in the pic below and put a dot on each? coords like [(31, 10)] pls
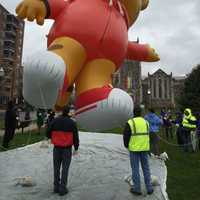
[(139, 140), (187, 124)]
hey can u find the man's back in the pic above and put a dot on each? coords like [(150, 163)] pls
[(154, 122), (61, 130), (63, 123)]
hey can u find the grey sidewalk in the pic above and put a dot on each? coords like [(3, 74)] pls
[(97, 173)]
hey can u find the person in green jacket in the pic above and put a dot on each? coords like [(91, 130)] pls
[(189, 125)]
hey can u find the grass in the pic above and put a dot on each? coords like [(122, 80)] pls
[(183, 168), (183, 172), (28, 137), (1, 124)]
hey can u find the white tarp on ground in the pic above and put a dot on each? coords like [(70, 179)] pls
[(97, 173)]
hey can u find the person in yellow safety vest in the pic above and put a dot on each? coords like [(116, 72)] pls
[(189, 124), (136, 140)]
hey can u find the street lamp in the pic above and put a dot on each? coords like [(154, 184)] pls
[(149, 97), (1, 72), (1, 76)]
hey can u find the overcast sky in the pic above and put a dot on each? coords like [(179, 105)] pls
[(172, 27)]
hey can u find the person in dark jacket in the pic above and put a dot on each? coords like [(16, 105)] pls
[(10, 124), (40, 119), (179, 129), (198, 127), (168, 125), (64, 134), (51, 116)]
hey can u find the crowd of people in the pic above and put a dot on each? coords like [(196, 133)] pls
[(180, 127), (187, 128), (142, 134), (18, 117)]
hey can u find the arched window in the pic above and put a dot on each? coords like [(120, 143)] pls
[(154, 88), (165, 86), (160, 88)]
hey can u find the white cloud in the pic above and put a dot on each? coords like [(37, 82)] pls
[(170, 26)]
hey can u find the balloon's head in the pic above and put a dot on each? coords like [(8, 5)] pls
[(133, 8)]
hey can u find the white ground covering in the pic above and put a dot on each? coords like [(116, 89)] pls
[(97, 173)]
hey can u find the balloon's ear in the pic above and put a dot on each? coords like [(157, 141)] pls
[(145, 3)]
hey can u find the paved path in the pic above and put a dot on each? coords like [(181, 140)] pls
[(97, 173)]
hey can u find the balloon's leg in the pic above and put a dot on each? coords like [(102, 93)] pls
[(99, 106), (49, 75), (62, 100), (74, 55)]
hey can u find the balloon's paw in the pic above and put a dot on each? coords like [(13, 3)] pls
[(110, 112), (152, 55), (43, 78)]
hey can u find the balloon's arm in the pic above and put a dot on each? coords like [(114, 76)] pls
[(141, 52), (32, 9), (54, 7), (40, 9)]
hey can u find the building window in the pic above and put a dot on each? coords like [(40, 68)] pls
[(170, 89), (9, 44), (160, 88), (9, 18), (6, 53), (7, 89), (9, 35), (129, 82), (116, 79), (1, 43), (4, 100), (165, 85), (8, 27), (134, 84), (154, 88)]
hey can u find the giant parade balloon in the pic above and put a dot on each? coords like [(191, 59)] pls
[(86, 44)]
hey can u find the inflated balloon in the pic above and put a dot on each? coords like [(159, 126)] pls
[(86, 45)]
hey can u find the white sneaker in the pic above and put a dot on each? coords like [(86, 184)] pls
[(43, 78), (111, 112)]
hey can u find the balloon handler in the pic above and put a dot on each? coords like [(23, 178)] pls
[(86, 45), (64, 134)]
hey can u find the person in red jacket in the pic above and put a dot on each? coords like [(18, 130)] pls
[(64, 134)]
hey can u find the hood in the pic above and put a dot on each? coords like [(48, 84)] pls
[(187, 113)]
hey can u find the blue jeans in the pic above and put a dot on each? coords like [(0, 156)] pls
[(135, 159)]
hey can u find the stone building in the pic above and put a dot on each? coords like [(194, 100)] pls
[(161, 90), (11, 45), (178, 87), (158, 90), (128, 78)]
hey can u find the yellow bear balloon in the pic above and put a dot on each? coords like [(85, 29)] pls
[(86, 45)]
